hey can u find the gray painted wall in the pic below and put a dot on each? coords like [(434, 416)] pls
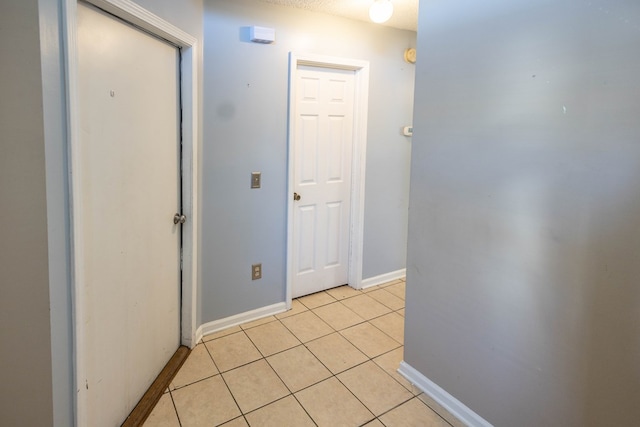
[(245, 130), (25, 371), (524, 250)]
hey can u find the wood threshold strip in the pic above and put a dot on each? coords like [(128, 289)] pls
[(151, 397)]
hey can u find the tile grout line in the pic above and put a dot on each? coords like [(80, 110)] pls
[(227, 386), (277, 352), (399, 343), (304, 409), (436, 412), (175, 408), (404, 402), (356, 397), (321, 336), (234, 400), (392, 377)]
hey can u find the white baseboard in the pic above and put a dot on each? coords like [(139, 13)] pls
[(247, 316), (383, 278), (198, 338), (447, 401)]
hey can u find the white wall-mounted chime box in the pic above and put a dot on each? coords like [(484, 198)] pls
[(262, 34)]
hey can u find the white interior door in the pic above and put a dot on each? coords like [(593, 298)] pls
[(129, 150), (323, 141)]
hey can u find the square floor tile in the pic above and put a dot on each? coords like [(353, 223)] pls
[(258, 322), (413, 413), (272, 338), (254, 385), (316, 300), (198, 366), (296, 308), (330, 404), (366, 307), (282, 413), (336, 353), (164, 414), (387, 298), (298, 368), (374, 387), (390, 362), (232, 351), (338, 316), (369, 339), (222, 333), (307, 326), (205, 403), (399, 289), (342, 292), (391, 324)]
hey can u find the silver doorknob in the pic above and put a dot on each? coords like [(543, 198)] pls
[(296, 197), (177, 218)]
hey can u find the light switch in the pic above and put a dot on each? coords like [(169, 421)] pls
[(255, 179)]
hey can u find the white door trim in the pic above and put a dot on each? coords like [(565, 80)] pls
[(361, 102), (136, 15)]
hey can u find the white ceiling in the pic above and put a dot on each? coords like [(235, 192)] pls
[(405, 12)]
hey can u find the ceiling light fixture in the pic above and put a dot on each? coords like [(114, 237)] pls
[(380, 11)]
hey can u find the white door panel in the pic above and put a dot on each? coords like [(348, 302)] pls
[(334, 234), (323, 141), (129, 150)]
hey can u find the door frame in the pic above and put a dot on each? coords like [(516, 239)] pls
[(358, 159), (147, 21)]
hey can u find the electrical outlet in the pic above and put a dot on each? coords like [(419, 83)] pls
[(256, 271), (255, 179)]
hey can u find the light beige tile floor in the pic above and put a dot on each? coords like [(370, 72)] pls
[(329, 361)]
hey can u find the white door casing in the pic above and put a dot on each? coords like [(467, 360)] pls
[(322, 145), (81, 261), (325, 174), (129, 126)]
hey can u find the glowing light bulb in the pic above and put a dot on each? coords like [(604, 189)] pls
[(380, 11)]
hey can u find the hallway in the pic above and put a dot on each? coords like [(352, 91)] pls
[(331, 360)]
